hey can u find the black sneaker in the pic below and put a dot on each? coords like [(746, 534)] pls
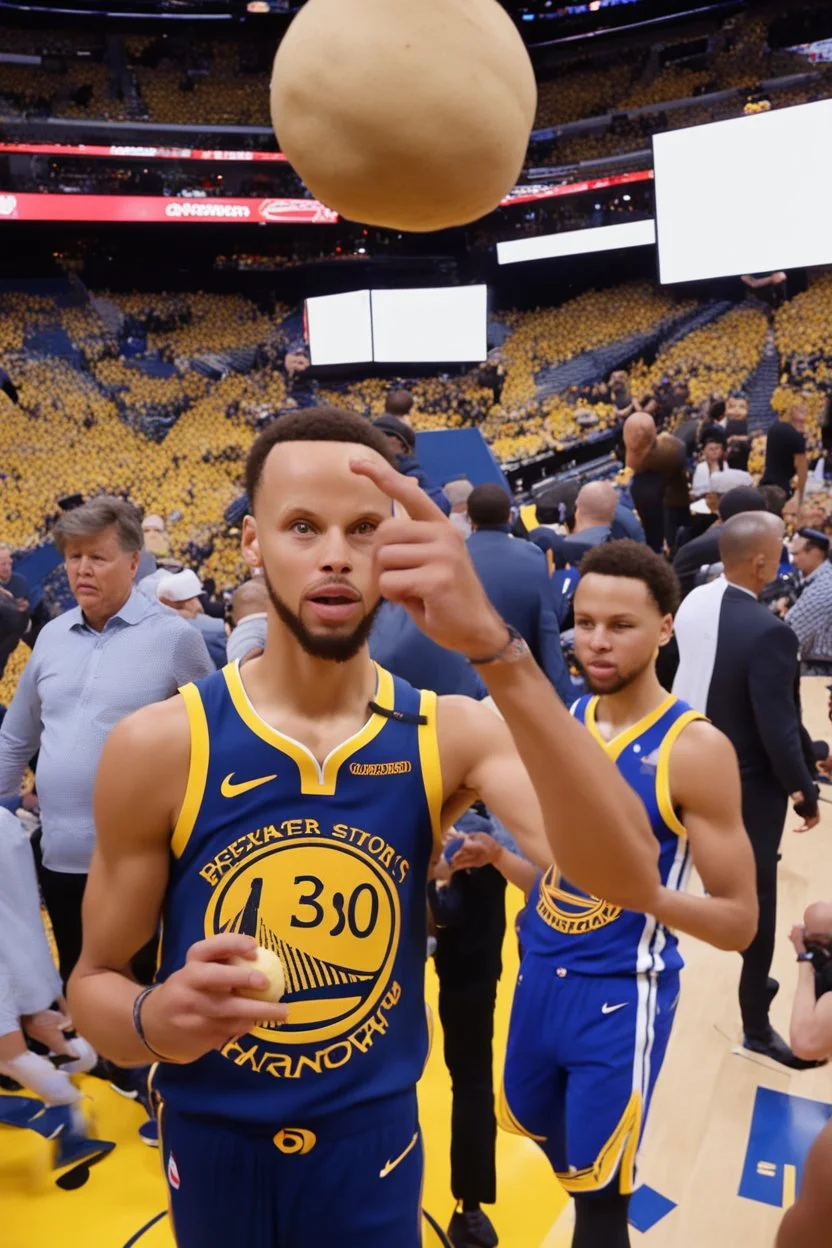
[(773, 1046), (129, 1083), (472, 1230)]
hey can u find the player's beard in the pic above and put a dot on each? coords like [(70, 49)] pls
[(320, 646), (622, 680)]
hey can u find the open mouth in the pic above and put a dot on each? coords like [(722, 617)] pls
[(335, 606)]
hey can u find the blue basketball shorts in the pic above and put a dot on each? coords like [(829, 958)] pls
[(357, 1185), (583, 1056)]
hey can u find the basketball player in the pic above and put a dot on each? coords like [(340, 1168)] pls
[(295, 803), (598, 985)]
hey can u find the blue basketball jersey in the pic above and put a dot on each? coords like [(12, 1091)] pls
[(585, 933), (326, 865)]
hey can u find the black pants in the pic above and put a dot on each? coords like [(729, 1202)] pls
[(674, 519), (469, 964), (764, 809), (467, 1015), (62, 895)]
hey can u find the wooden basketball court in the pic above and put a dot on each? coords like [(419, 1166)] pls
[(697, 1141)]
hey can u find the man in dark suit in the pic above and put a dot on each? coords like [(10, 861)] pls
[(516, 578), (702, 551), (470, 928), (738, 664)]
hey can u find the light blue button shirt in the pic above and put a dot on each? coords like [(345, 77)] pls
[(76, 687)]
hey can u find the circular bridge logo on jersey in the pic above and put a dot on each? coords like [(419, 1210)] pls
[(331, 913), (563, 908)]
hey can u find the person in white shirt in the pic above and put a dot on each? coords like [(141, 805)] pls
[(180, 592), (712, 462), (32, 1006)]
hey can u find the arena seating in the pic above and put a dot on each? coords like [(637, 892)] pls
[(197, 82), (172, 437)]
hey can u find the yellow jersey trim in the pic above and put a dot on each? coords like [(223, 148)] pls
[(430, 762), (316, 779), (664, 797), (197, 770), (509, 1123), (619, 743), (619, 1151)]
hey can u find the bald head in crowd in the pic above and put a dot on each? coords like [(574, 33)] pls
[(250, 598), (750, 547), (818, 918), (595, 505), (639, 432)]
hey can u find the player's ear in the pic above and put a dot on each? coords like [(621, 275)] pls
[(249, 544), (666, 630)]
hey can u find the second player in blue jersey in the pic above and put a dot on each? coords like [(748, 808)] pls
[(598, 984)]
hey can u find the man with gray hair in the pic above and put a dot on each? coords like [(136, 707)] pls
[(738, 665), (115, 652)]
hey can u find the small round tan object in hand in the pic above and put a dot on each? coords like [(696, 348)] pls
[(268, 964)]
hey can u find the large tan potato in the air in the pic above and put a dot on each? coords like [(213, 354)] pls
[(411, 114), (269, 964)]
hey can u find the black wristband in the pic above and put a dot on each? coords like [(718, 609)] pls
[(137, 1021)]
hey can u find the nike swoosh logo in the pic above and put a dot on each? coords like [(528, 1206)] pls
[(391, 1165), (229, 789), (610, 1009)]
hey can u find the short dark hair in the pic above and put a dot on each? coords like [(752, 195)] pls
[(716, 410), (744, 498), (488, 506), (636, 562), (774, 497), (312, 424), (398, 403), (96, 515)]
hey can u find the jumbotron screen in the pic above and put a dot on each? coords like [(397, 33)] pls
[(434, 325), (339, 328), (422, 325), (750, 195)]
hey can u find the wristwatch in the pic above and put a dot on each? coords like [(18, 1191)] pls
[(805, 957), (515, 648)]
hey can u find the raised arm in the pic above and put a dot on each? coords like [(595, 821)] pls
[(705, 787), (596, 827), (810, 1029), (140, 787), (801, 467)]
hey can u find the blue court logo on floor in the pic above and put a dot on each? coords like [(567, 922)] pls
[(783, 1129)]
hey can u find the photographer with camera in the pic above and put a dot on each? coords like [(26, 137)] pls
[(811, 1025), (806, 1225)]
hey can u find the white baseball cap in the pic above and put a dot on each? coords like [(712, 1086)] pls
[(180, 586)]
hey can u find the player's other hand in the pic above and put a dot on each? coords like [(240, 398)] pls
[(422, 562), (479, 850), (809, 821), (197, 1009)]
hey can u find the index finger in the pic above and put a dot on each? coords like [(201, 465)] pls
[(218, 948), (402, 489)]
